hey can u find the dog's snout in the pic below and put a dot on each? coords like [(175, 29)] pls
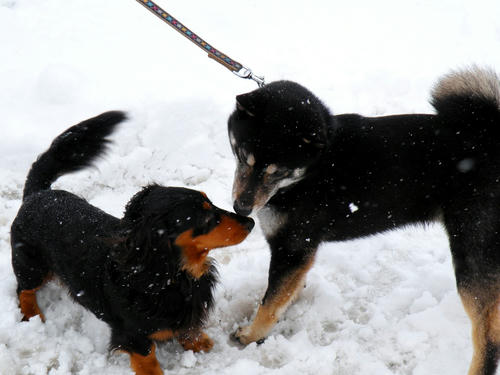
[(242, 209)]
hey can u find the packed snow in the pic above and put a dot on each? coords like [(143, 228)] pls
[(386, 304)]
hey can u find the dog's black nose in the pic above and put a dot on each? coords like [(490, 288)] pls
[(241, 209), (249, 224)]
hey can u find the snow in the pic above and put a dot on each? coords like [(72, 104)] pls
[(386, 304)]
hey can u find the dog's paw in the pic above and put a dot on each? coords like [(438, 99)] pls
[(198, 343), (244, 336), (205, 343)]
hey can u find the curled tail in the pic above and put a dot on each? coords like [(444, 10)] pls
[(73, 150), (470, 99)]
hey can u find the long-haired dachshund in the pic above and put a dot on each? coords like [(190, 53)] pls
[(146, 275)]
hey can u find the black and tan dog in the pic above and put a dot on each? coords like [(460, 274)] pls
[(147, 275), (315, 177)]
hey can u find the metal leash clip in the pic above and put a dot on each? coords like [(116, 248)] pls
[(248, 74)]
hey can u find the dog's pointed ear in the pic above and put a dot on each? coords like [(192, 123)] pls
[(245, 105), (252, 103)]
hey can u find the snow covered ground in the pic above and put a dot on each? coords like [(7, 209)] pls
[(380, 305)]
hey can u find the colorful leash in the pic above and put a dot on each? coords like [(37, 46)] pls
[(234, 66)]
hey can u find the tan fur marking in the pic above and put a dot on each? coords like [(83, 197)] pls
[(483, 311), (195, 249), (251, 160), (27, 301), (146, 365), (194, 259), (271, 168), (241, 176), (478, 334), (196, 341), (163, 335), (28, 305), (266, 189), (493, 323), (270, 312)]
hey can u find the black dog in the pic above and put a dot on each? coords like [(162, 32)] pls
[(317, 177), (146, 275)]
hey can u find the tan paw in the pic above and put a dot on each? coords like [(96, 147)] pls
[(245, 336), (196, 342)]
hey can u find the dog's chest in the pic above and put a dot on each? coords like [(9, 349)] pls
[(271, 220)]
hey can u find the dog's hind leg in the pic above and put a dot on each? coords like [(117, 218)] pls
[(31, 273), (145, 364), (287, 275), (483, 308), (28, 304), (474, 234)]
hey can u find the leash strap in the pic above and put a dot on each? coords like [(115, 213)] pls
[(234, 66)]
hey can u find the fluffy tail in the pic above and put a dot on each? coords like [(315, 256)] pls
[(73, 150), (470, 98)]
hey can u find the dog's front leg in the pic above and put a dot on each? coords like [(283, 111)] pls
[(141, 349), (287, 274)]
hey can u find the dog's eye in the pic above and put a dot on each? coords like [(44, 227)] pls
[(246, 159), (250, 160), (272, 170), (210, 219)]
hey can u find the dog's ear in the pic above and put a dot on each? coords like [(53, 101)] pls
[(244, 104), (314, 129), (252, 103), (242, 109), (136, 243), (144, 241), (135, 208)]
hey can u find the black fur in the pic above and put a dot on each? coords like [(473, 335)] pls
[(129, 272), (365, 175), (73, 150)]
